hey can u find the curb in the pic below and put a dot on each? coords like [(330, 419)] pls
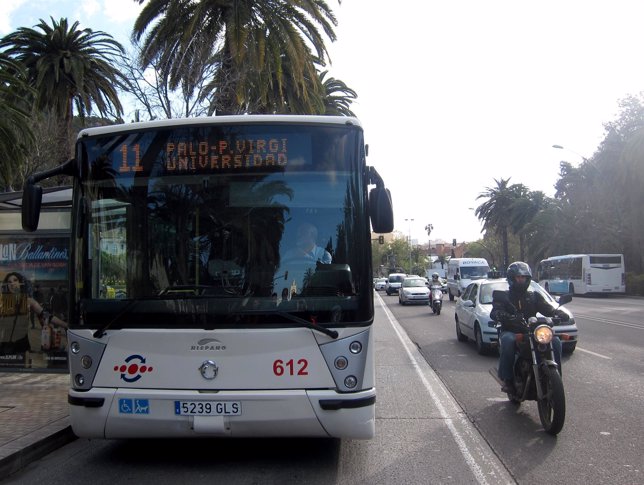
[(34, 446)]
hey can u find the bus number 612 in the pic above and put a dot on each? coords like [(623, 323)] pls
[(290, 367)]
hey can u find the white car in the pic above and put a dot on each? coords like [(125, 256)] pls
[(473, 309), (413, 290), (380, 284)]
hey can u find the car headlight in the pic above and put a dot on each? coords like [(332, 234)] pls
[(543, 334)]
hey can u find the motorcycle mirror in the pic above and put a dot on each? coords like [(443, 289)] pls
[(563, 299)]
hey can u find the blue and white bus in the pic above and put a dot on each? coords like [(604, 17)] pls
[(580, 274)]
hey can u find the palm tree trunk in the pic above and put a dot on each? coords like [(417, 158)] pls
[(504, 239)]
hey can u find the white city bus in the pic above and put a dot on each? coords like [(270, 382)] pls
[(195, 310), (580, 274)]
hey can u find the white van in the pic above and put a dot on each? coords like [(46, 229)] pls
[(394, 282), (462, 271)]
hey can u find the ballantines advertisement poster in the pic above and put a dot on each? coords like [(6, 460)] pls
[(33, 272)]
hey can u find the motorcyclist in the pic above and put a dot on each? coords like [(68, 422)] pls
[(520, 303), (435, 280)]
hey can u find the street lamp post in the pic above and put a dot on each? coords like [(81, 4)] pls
[(560, 147), (410, 221), (429, 228)]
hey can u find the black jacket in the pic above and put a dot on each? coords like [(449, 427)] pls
[(509, 313)]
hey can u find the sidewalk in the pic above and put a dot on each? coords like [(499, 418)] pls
[(34, 417)]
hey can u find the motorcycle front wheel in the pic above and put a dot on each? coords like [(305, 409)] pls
[(552, 408)]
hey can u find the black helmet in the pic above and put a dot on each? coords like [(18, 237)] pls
[(518, 268)]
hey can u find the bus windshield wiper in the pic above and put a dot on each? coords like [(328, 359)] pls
[(101, 331), (307, 324)]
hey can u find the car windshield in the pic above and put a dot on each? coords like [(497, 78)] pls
[(413, 283), (485, 296), (395, 279)]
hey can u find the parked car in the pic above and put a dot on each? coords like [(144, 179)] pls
[(394, 281), (413, 290), (472, 315), (380, 284)]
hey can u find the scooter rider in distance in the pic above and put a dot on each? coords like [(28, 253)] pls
[(435, 280), (520, 304)]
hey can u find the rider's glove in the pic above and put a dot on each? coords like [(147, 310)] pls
[(502, 316)]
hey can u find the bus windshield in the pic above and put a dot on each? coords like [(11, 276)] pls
[(207, 225)]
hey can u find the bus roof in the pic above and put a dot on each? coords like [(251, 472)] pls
[(222, 120), (568, 256)]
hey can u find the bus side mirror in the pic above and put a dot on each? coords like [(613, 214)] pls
[(31, 202), (381, 210)]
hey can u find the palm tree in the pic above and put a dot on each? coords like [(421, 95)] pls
[(266, 92), (522, 211), (495, 213), (69, 68), (249, 41), (15, 126), (338, 98)]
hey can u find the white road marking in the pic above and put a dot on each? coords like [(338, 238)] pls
[(472, 446), (610, 322), (594, 353)]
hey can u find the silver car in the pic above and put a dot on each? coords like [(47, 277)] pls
[(380, 284), (413, 290), (473, 309)]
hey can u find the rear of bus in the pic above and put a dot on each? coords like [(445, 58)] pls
[(604, 273), (223, 325)]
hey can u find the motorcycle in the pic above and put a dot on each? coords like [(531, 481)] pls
[(536, 374), (436, 298)]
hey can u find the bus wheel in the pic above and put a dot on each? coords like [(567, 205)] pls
[(571, 289)]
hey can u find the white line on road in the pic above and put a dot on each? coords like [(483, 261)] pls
[(472, 447), (594, 353), (610, 322)]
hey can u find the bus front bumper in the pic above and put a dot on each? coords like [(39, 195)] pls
[(144, 413)]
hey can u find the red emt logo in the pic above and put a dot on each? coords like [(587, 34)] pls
[(133, 368)]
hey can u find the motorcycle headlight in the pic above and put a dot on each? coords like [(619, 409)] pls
[(543, 334)]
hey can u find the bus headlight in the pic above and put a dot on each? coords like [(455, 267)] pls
[(543, 334), (350, 382), (86, 361), (355, 347), (341, 363)]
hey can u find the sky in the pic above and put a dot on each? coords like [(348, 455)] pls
[(455, 95)]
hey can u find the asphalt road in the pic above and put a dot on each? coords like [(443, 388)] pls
[(603, 438)]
